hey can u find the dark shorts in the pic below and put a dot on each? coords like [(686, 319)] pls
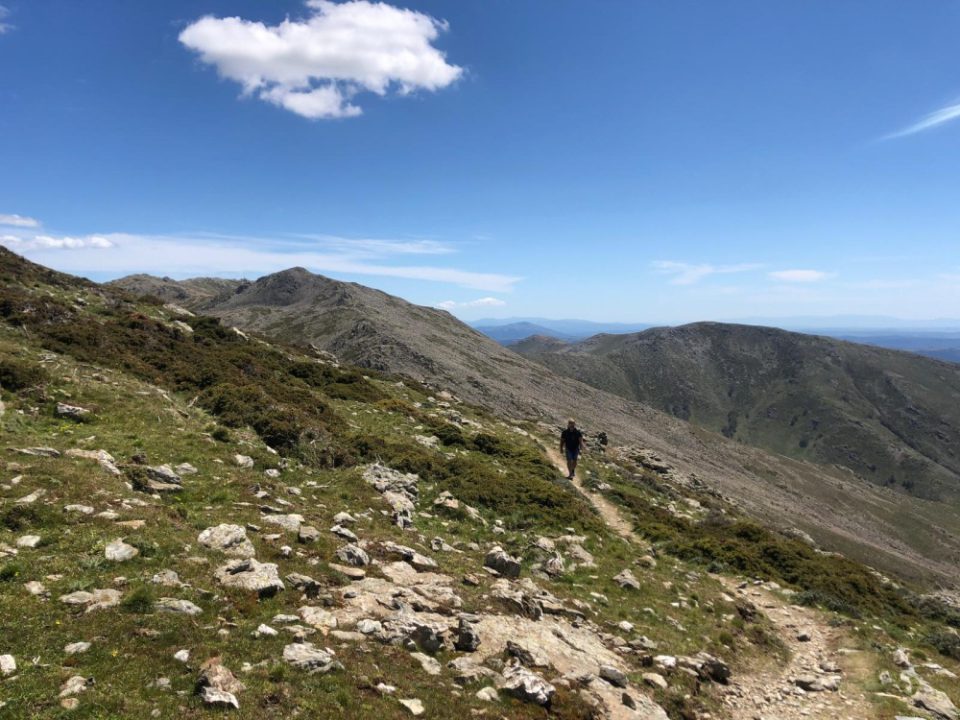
[(573, 455)]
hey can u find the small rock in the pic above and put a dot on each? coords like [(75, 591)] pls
[(429, 665), (308, 534), (8, 665), (249, 574), (413, 705), (229, 539), (468, 639), (655, 680), (307, 657), (119, 551), (167, 578), (506, 565), (487, 694), (527, 685), (28, 541), (901, 658), (613, 676), (182, 655), (76, 648), (243, 461), (217, 686), (804, 635), (81, 509), (627, 580), (74, 412), (265, 631), (75, 685), (353, 555), (173, 605)]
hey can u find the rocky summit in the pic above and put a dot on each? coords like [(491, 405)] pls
[(245, 528)]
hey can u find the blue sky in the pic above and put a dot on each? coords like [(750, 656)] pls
[(624, 161)]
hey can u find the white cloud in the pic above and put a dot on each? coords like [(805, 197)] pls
[(65, 242), (799, 276), (204, 254), (934, 119), (315, 66), (478, 303), (690, 274), (4, 27), (18, 221)]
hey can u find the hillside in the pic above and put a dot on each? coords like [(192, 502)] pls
[(374, 330), (193, 521), (893, 418)]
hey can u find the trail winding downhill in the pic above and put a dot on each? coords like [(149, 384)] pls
[(822, 660)]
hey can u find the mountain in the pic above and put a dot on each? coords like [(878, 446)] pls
[(194, 520), (893, 418), (514, 332), (564, 329), (373, 330), (939, 345)]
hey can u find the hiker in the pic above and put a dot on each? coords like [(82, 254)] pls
[(571, 445)]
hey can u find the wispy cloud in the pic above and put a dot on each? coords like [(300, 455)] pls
[(4, 14), (316, 66), (934, 119), (799, 276), (690, 274), (113, 254), (478, 303), (18, 221)]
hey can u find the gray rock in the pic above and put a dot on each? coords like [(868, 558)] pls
[(74, 412), (411, 556), (487, 694), (28, 541), (94, 600), (74, 686), (229, 539), (613, 676), (506, 565), (217, 686), (353, 555), (414, 705), (527, 685), (429, 665), (655, 680), (248, 574), (900, 658), (265, 631), (173, 605), (290, 522), (308, 534), (167, 578), (468, 639), (8, 665), (40, 452), (76, 648), (304, 583), (243, 461), (305, 656), (81, 509), (627, 580), (937, 702), (344, 533), (119, 551), (185, 469)]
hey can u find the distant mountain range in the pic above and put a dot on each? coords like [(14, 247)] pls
[(891, 417), (773, 479), (924, 339)]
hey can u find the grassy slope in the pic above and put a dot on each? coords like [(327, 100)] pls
[(143, 403)]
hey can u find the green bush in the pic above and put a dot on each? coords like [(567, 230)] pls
[(139, 601), (18, 374)]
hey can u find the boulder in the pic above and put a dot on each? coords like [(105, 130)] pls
[(308, 534), (243, 461), (174, 605), (217, 686), (305, 656), (627, 580), (119, 551), (353, 555), (506, 565), (614, 676), (229, 539), (93, 600), (409, 555), (468, 639), (248, 574), (527, 685), (936, 702)]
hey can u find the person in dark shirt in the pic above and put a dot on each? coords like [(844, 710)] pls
[(571, 445)]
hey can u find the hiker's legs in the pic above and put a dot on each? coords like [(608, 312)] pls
[(572, 463)]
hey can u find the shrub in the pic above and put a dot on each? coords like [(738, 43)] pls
[(139, 601), (18, 374)]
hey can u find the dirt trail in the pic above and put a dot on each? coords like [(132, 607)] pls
[(607, 510), (771, 692)]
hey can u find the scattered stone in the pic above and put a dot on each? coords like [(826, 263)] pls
[(94, 600), (119, 551), (173, 605), (527, 685), (307, 657), (498, 559), (229, 539), (655, 680), (937, 702), (35, 588), (369, 627), (413, 705), (352, 573), (76, 648), (74, 686), (28, 541), (353, 555), (627, 580), (613, 676), (468, 638), (308, 534), (344, 518), (74, 412), (40, 452), (344, 533), (185, 469), (487, 694), (81, 509), (901, 658), (291, 522), (31, 498), (8, 665), (243, 461), (217, 686), (305, 584), (167, 578), (265, 631), (409, 555), (182, 656), (804, 635), (248, 574), (318, 617)]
